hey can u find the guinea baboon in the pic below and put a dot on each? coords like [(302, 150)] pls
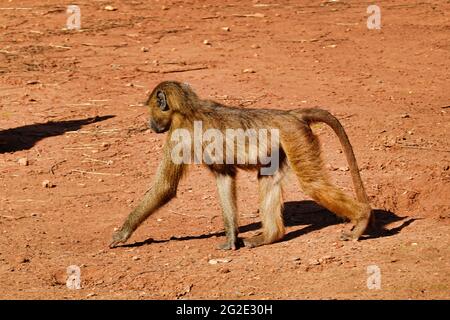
[(175, 106)]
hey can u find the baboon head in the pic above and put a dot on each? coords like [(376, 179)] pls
[(167, 100)]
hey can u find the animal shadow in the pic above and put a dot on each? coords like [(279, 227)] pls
[(25, 137), (309, 214), (315, 217)]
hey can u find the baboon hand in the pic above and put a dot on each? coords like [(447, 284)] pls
[(120, 236)]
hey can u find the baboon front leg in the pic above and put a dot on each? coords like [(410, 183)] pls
[(163, 189), (270, 197), (226, 187)]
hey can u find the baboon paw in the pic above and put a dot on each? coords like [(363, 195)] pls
[(119, 237), (347, 236), (255, 241), (227, 246), (230, 245)]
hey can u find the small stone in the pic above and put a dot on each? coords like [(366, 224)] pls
[(164, 8), (326, 259), (414, 244), (144, 49), (136, 258), (344, 169), (405, 115), (206, 42), (257, 15), (219, 260), (23, 260), (313, 262), (226, 29), (90, 295), (224, 270), (23, 161), (47, 184), (248, 71), (255, 46), (110, 8)]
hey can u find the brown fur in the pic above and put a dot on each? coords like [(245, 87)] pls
[(299, 148)]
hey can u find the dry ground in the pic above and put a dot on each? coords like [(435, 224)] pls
[(69, 103)]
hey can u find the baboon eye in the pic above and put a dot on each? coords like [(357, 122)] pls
[(161, 100)]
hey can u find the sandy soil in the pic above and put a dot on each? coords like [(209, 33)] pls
[(69, 105)]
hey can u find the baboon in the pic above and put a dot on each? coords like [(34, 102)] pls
[(175, 105)]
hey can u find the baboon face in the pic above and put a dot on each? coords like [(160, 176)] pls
[(160, 112)]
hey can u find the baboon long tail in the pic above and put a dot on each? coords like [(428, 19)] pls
[(312, 115)]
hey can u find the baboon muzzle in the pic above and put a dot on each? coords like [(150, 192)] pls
[(157, 129)]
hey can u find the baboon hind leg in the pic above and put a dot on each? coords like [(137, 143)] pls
[(270, 197), (308, 166)]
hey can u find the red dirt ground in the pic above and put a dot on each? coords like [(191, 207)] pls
[(390, 88)]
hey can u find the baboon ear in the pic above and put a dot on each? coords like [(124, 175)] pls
[(161, 100)]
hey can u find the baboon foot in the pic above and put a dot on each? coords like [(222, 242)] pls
[(255, 241), (356, 232), (347, 236), (230, 244)]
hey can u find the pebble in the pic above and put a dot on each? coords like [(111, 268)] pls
[(313, 262), (219, 260), (226, 29), (23, 161), (136, 258), (248, 71), (110, 8), (23, 260), (144, 49), (47, 184), (206, 42)]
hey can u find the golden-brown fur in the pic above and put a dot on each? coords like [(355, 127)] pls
[(174, 106)]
